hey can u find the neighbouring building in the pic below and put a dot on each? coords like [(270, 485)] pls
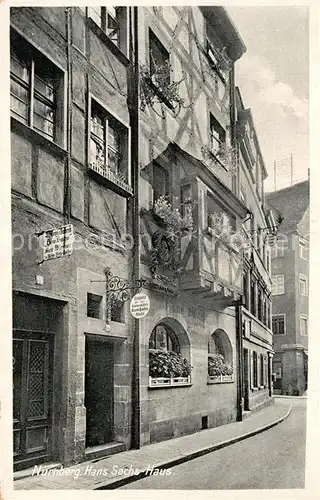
[(70, 126), (127, 132), (290, 288), (257, 341)]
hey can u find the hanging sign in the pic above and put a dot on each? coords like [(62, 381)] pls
[(57, 242), (139, 305), (271, 240)]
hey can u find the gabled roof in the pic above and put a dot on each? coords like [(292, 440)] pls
[(291, 203), (225, 28)]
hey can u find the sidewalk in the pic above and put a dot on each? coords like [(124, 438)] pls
[(117, 470)]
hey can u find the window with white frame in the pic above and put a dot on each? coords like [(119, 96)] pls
[(261, 369), (278, 324), (303, 325), (213, 207), (107, 18), (255, 368), (217, 135), (37, 89), (169, 355), (220, 354), (303, 284), (108, 153), (278, 284), (278, 250), (163, 338), (303, 249)]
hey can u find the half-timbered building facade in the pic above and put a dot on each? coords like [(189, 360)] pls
[(189, 168), (126, 138)]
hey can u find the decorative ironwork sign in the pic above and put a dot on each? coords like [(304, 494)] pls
[(120, 290)]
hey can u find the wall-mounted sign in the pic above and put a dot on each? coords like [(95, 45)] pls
[(139, 305), (57, 242), (271, 240)]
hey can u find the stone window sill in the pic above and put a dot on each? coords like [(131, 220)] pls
[(166, 382), (37, 137), (222, 379)]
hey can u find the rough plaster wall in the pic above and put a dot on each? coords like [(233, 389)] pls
[(159, 407)]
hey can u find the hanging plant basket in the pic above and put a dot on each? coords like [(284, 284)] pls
[(225, 157), (164, 255), (157, 88), (224, 63)]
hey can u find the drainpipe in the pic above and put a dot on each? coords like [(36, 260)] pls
[(239, 344), (233, 135), (238, 303), (69, 117), (134, 121)]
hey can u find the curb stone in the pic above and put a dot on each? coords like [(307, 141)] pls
[(191, 456)]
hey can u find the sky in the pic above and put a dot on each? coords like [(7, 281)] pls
[(273, 77)]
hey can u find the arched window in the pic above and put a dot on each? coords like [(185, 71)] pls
[(215, 345), (169, 355), (220, 355), (163, 338)]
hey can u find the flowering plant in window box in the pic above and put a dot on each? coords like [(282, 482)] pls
[(226, 156), (157, 87), (171, 217), (217, 365), (168, 368), (220, 227), (239, 241), (224, 63), (165, 241)]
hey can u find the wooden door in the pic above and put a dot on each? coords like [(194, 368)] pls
[(99, 391), (32, 398)]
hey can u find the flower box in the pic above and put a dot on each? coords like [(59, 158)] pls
[(220, 379), (169, 382), (111, 176)]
